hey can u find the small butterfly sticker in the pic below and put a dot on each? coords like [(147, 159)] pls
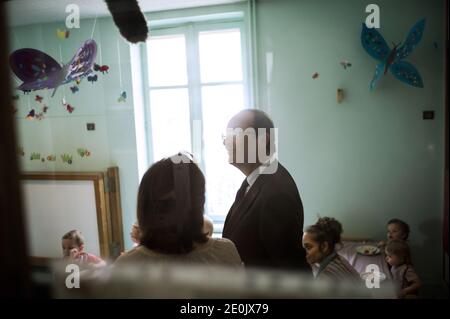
[(101, 68), (122, 97), (35, 156), (92, 78), (345, 64), (83, 152), (66, 158), (68, 107), (38, 98), (31, 115), (74, 89), (62, 34), (315, 75), (45, 109)]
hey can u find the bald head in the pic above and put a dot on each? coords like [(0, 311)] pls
[(244, 151), (251, 118)]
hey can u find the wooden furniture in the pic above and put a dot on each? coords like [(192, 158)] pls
[(57, 202)]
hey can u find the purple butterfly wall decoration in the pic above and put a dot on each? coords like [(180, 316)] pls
[(40, 71)]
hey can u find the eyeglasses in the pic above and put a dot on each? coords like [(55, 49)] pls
[(224, 137), (232, 133)]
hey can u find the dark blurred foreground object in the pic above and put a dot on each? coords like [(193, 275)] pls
[(129, 19), (178, 280), (14, 266)]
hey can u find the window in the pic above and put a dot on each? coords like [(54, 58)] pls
[(197, 78)]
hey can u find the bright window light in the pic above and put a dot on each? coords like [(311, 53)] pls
[(220, 56), (167, 60), (198, 74), (170, 120)]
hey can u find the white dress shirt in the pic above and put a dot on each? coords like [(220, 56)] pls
[(253, 176)]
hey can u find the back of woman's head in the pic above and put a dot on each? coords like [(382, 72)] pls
[(170, 206), (326, 230)]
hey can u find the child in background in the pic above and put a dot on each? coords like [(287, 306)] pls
[(134, 234), (73, 246), (208, 226), (398, 256), (396, 229)]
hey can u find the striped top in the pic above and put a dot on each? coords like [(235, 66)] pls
[(334, 267)]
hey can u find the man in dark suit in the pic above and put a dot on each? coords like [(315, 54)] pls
[(266, 220)]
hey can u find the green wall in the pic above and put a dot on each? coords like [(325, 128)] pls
[(364, 161), (113, 141), (372, 157)]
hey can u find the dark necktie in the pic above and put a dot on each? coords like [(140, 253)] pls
[(239, 196), (241, 192)]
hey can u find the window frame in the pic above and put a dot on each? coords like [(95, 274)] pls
[(214, 19)]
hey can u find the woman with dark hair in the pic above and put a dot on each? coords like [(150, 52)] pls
[(170, 205), (319, 241)]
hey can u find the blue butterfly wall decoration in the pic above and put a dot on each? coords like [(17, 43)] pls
[(392, 59)]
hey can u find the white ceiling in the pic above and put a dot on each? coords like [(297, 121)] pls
[(23, 12)]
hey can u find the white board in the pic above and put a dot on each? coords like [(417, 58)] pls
[(54, 207)]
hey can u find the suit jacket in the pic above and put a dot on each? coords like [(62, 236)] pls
[(267, 225)]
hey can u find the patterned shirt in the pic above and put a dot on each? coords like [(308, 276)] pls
[(334, 267)]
